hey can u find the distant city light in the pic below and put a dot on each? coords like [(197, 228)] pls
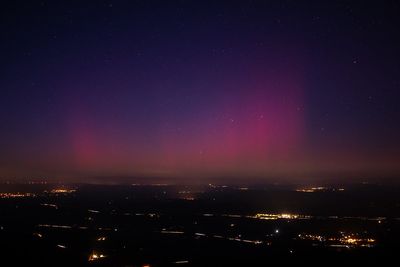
[(181, 262), (16, 195), (342, 240), (318, 189), (62, 191), (272, 216), (96, 256)]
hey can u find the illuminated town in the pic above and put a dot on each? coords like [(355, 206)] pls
[(16, 195)]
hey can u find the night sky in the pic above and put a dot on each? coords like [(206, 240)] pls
[(190, 89)]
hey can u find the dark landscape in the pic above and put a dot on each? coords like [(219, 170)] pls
[(210, 225)]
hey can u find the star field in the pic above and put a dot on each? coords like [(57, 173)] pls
[(189, 89)]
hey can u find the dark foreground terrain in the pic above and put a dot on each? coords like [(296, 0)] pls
[(212, 225)]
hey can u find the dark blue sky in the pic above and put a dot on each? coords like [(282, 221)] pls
[(300, 89)]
